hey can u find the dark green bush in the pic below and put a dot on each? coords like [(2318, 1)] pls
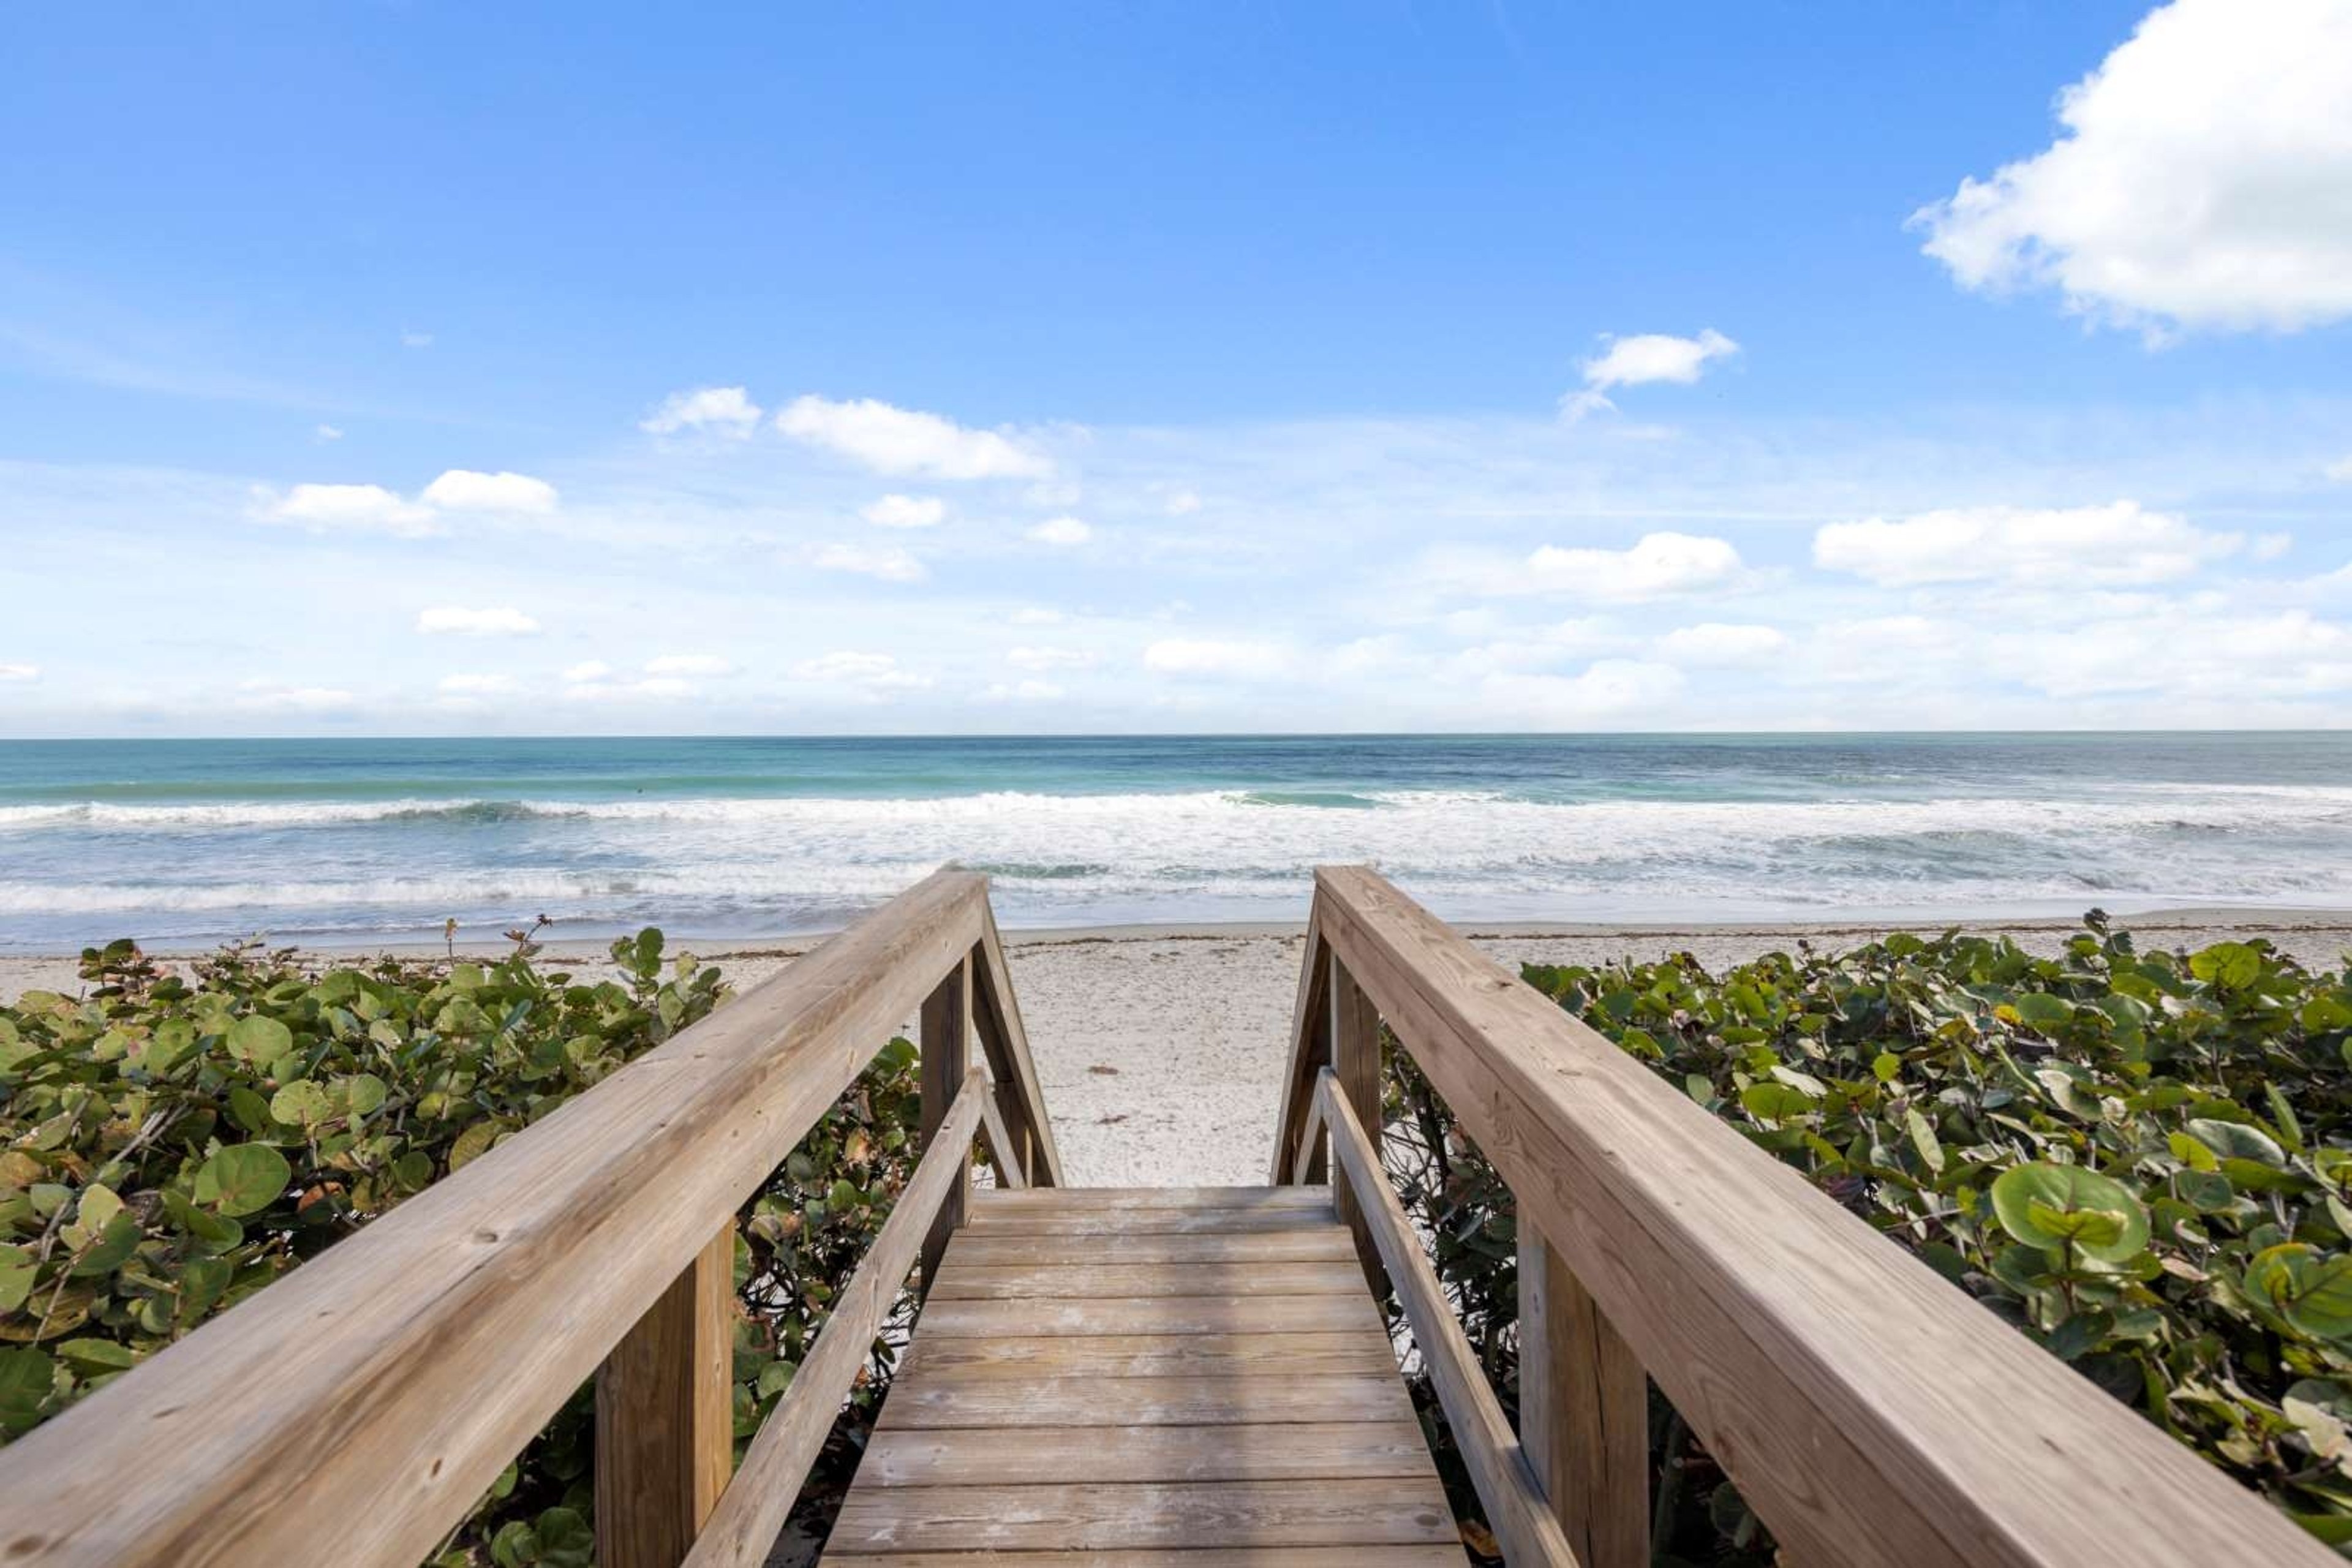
[(2140, 1160), (170, 1146)]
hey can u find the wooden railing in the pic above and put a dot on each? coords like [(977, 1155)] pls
[(356, 1411), (1870, 1412)]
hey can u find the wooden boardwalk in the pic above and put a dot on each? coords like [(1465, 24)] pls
[(1144, 1371)]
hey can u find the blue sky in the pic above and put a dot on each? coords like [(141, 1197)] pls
[(393, 368)]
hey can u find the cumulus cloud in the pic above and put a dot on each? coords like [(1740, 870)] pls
[(891, 565), (2119, 544), (1036, 616), (463, 490), (325, 432), (451, 620), (724, 410), (20, 672), (1021, 691), (1060, 530), (1656, 566), (1608, 688), (866, 671), (363, 509), (1048, 659), (1238, 659), (588, 670), (270, 697), (689, 664), (1183, 503), (1644, 358), (2341, 471), (2198, 182), (1719, 643), (475, 685), (906, 511), (650, 688), (892, 440)]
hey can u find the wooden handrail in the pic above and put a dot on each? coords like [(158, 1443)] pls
[(357, 1409), (1868, 1410)]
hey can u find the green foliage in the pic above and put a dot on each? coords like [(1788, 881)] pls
[(169, 1146), (2142, 1161)]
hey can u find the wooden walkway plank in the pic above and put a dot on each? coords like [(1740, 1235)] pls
[(1071, 1200), (944, 1400), (1448, 1556), (1089, 1516), (1364, 1352), (1360, 1450), (1308, 1244), (1155, 1315), (993, 1221), (1070, 1281)]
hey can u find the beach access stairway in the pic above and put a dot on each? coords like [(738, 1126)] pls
[(1177, 1378)]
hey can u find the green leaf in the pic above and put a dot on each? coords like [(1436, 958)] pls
[(256, 1038), (1773, 1101), (2310, 1290), (2235, 1141), (27, 1378), (302, 1103), (243, 1179), (18, 1267), (2051, 1205)]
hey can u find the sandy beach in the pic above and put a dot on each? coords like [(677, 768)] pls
[(1161, 1049)]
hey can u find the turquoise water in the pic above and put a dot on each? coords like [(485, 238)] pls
[(360, 840)]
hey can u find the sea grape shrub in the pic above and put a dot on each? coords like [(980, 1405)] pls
[(2140, 1159), (171, 1145)]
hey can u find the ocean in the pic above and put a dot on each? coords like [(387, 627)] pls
[(352, 841)]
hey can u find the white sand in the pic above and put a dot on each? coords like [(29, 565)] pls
[(1160, 1053)]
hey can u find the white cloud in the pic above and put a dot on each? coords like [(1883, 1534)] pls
[(1719, 643), (355, 507), (587, 672), (689, 664), (1060, 530), (463, 490), (870, 671), (1656, 566), (475, 685), (20, 672), (450, 620), (1048, 659), (906, 511), (1183, 503), (326, 433), (269, 697), (2119, 544), (892, 440), (1610, 687), (724, 410), (1644, 358), (892, 565), (1021, 691), (1239, 660), (2341, 472), (2199, 182), (414, 340), (2271, 546), (1036, 616), (652, 688)]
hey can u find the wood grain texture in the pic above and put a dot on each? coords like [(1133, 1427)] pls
[(1148, 1221), (1352, 1450), (1356, 1065), (1516, 1508), (753, 1508), (943, 1399), (370, 1397), (962, 1282), (665, 1426), (1309, 1054), (1006, 1046), (1584, 1412), (1311, 1202), (1366, 1352), (1226, 1557), (946, 1031), (1153, 1315), (1097, 1518), (1318, 1243), (1869, 1410), (1007, 1156)]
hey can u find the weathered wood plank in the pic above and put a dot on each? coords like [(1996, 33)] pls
[(1364, 1352), (1089, 1518), (1310, 1051), (1153, 1315), (1228, 1557), (1298, 1451), (370, 1397), (1356, 1063), (1515, 1508), (664, 1430), (1072, 1200), (943, 1399), (946, 1033), (1308, 1244), (754, 1506), (1049, 1281), (1584, 1413), (1870, 1412), (1006, 1157), (1148, 1222)]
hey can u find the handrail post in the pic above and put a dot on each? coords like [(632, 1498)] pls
[(1356, 1061), (947, 1057), (1584, 1412), (664, 1418)]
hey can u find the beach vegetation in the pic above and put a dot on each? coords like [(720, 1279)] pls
[(171, 1143), (2142, 1160)]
